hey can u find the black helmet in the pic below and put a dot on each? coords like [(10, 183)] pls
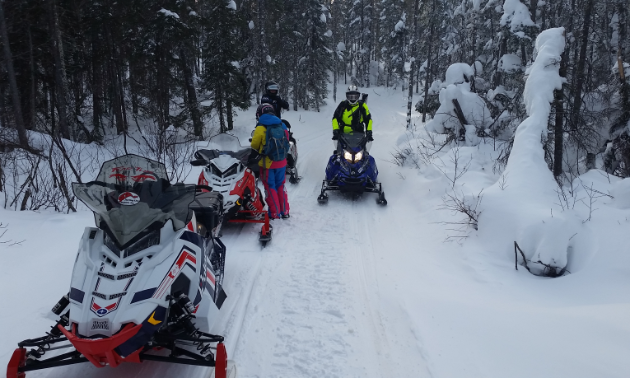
[(271, 88), (265, 109), (353, 94)]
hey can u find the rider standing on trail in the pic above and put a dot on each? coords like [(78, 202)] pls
[(272, 97), (273, 163), (352, 115)]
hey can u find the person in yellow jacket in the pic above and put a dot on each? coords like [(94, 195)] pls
[(352, 115), (273, 172)]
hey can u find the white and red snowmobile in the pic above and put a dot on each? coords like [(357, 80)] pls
[(147, 280), (229, 171)]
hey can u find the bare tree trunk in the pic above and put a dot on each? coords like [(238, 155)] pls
[(262, 64), (558, 147), (533, 7), (15, 94), (581, 63), (218, 100), (498, 77), (97, 84), (429, 68), (229, 115), (192, 103), (622, 56), (33, 94), (412, 57), (60, 71)]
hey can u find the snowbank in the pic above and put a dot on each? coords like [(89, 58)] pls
[(542, 226)]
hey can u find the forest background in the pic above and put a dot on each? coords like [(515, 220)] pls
[(163, 74)]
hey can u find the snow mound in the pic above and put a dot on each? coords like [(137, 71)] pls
[(528, 210)]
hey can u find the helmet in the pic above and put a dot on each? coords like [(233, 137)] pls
[(265, 109), (353, 94), (271, 87)]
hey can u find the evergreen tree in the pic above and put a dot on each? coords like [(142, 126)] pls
[(222, 53)]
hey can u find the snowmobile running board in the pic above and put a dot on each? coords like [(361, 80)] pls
[(256, 217), (253, 216)]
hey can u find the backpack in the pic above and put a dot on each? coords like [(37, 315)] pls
[(276, 143)]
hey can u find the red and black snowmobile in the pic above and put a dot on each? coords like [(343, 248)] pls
[(228, 171)]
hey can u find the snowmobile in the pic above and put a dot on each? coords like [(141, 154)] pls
[(292, 156), (230, 172), (147, 280), (351, 169)]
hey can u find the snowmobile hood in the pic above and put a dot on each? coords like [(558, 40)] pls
[(225, 161)]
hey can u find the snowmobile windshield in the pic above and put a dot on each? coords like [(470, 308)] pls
[(132, 197), (225, 142), (355, 141)]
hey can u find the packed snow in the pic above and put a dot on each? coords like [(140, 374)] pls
[(352, 289)]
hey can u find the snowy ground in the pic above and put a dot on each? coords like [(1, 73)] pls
[(352, 289)]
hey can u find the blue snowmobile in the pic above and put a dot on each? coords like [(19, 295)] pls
[(351, 169)]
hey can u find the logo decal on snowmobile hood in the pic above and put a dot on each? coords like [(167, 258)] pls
[(128, 199)]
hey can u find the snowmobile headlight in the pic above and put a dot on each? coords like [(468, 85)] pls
[(348, 156), (358, 156)]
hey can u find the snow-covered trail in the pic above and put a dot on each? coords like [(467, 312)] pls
[(310, 305)]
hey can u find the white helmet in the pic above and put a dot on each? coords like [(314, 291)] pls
[(353, 94)]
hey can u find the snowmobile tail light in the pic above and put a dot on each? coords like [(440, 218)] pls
[(348, 156)]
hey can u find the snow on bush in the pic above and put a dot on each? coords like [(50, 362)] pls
[(474, 108), (528, 210), (516, 15)]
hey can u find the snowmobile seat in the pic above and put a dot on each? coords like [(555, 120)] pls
[(208, 207)]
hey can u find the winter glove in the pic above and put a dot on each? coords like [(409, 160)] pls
[(369, 136), (335, 135), (253, 158)]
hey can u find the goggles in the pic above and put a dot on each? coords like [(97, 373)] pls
[(353, 96)]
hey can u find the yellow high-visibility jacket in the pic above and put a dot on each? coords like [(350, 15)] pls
[(345, 115)]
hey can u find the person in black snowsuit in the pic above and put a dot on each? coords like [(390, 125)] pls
[(271, 97)]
